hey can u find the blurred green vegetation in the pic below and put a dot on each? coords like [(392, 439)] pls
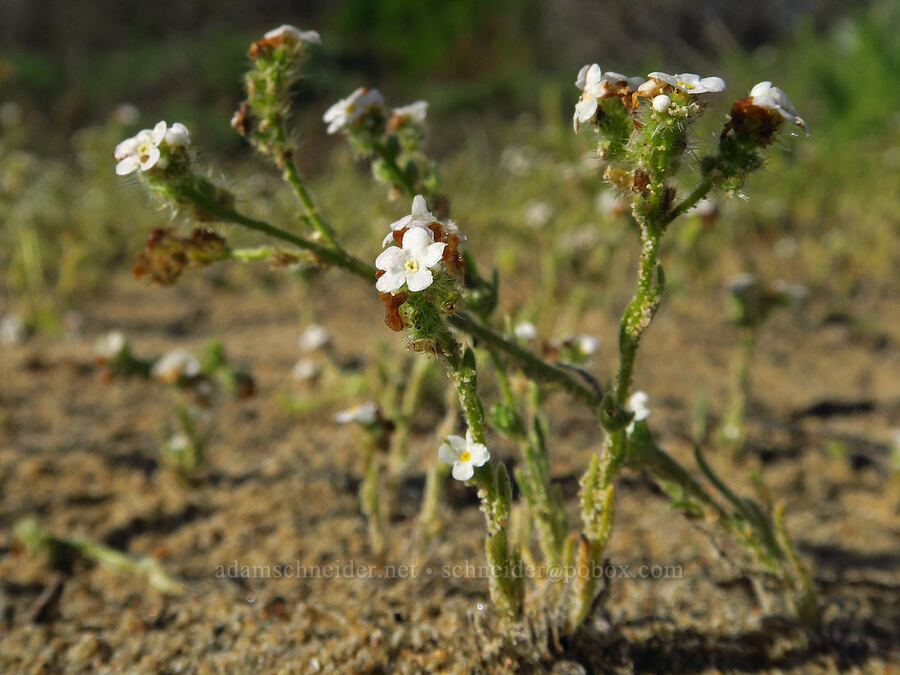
[(825, 212)]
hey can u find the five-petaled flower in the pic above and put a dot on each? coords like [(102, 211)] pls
[(690, 83), (288, 32), (766, 95), (594, 85), (411, 263), (346, 111), (463, 454), (414, 112), (365, 414), (140, 151), (637, 404), (176, 364)]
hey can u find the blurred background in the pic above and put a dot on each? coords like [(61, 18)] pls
[(499, 77)]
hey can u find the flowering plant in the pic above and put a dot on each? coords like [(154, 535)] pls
[(434, 294)]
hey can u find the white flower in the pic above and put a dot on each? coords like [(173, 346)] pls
[(587, 344), (742, 283), (178, 443), (305, 369), (314, 337), (765, 95), (348, 110), (661, 103), (364, 413), (12, 329), (178, 135), (110, 345), (464, 454), (419, 217), (538, 214), (637, 403), (525, 330), (286, 30), (174, 364), (691, 82), (140, 151), (410, 264), (594, 85), (414, 111)]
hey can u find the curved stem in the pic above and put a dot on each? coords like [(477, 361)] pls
[(689, 202), (397, 173)]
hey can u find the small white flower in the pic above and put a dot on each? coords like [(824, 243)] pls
[(12, 329), (594, 85), (348, 110), (178, 443), (525, 330), (538, 214), (110, 345), (178, 135), (287, 31), (140, 151), (765, 95), (691, 82), (125, 113), (587, 344), (414, 111), (637, 403), (305, 369), (420, 216), (364, 413), (410, 264), (661, 103), (463, 454), (742, 283), (174, 364), (314, 337)]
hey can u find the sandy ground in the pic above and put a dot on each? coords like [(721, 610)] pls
[(81, 454)]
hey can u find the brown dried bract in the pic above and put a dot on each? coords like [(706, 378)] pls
[(641, 181), (392, 303), (241, 119), (166, 254), (752, 121)]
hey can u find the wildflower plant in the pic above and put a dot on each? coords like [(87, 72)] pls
[(434, 294)]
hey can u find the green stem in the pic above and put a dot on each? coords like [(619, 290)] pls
[(399, 176), (530, 364), (284, 157), (689, 202), (333, 256)]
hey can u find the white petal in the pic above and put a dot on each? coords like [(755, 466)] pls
[(586, 109), (159, 132), (463, 471), (391, 259), (581, 80), (433, 254), (416, 239), (389, 237), (419, 207), (419, 281), (152, 158), (126, 147), (594, 76), (178, 134), (127, 165), (761, 88), (711, 84), (480, 454), (447, 454), (403, 222), (390, 282)]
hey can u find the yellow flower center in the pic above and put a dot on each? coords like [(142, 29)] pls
[(351, 108), (144, 151), (412, 266), (686, 85), (465, 456)]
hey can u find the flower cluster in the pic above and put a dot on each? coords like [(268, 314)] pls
[(166, 254), (360, 107), (150, 148), (423, 247)]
